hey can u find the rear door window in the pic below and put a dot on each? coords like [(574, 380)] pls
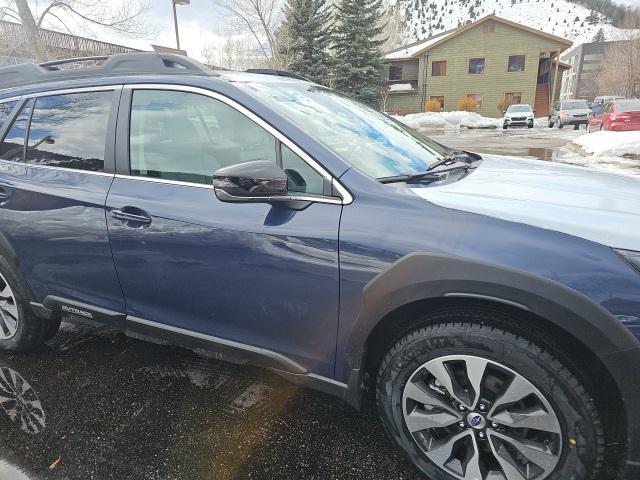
[(70, 130), (12, 147)]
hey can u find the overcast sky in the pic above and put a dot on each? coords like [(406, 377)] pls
[(200, 23)]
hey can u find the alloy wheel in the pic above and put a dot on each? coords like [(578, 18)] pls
[(20, 402), (477, 419), (8, 311)]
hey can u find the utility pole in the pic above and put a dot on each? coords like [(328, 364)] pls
[(31, 31), (175, 18)]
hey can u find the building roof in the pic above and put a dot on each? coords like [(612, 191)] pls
[(416, 49)]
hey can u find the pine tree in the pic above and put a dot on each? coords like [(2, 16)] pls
[(592, 18), (356, 42), (306, 24), (599, 37)]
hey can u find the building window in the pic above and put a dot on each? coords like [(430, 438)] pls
[(512, 98), (439, 68), (395, 72), (476, 66), (439, 99), (516, 63), (477, 97)]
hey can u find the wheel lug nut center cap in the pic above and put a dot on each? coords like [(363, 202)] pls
[(476, 421)]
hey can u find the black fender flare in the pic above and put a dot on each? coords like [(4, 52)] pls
[(423, 276)]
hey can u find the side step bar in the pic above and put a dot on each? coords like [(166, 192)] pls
[(220, 348)]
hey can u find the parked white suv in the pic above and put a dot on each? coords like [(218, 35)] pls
[(570, 112), (521, 114)]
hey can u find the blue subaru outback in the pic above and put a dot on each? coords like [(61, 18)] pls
[(491, 305)]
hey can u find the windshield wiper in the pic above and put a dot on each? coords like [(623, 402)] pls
[(433, 171)]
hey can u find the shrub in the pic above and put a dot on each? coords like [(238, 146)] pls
[(468, 104), (433, 106)]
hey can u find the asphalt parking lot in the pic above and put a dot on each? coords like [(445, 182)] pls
[(540, 142), (95, 404)]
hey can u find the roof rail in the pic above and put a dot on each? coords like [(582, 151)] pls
[(120, 63), (279, 73)]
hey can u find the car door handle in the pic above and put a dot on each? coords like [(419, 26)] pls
[(130, 217)]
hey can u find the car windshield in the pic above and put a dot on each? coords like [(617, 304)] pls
[(519, 108), (575, 105), (368, 140), (627, 105)]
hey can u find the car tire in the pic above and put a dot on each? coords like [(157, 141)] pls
[(550, 123), (504, 126), (560, 124), (20, 328), (465, 336), (530, 125)]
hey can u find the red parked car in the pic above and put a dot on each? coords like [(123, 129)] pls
[(618, 115)]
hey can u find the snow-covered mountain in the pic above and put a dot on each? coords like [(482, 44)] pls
[(419, 19)]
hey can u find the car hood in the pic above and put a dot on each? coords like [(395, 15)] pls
[(597, 206), (518, 114), (577, 111)]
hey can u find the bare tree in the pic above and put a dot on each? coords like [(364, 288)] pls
[(234, 53), (384, 96), (127, 18), (620, 72), (260, 20)]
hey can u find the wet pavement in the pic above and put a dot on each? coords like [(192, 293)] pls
[(539, 143), (94, 404)]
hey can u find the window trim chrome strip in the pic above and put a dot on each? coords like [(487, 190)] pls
[(164, 181), (301, 198), (347, 198), (10, 99), (65, 91)]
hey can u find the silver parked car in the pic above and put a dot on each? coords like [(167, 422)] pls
[(570, 112)]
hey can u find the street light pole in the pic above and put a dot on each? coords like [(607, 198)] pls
[(175, 18)]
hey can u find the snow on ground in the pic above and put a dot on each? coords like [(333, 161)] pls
[(429, 120), (613, 151), (611, 144)]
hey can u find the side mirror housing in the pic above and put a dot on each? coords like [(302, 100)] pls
[(259, 181)]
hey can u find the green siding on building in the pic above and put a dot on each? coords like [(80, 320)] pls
[(495, 42), (409, 69), (403, 103)]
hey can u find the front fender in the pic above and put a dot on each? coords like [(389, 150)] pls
[(423, 276)]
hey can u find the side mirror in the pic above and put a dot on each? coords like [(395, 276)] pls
[(259, 181)]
